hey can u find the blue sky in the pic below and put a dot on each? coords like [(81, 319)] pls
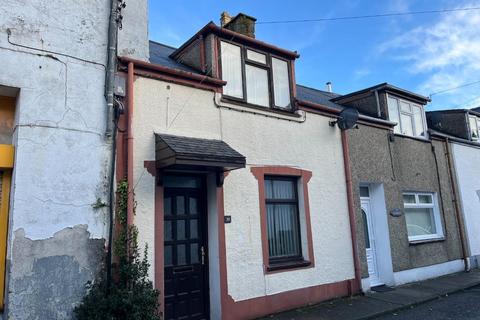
[(423, 53)]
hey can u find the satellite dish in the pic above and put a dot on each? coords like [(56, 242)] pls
[(347, 119)]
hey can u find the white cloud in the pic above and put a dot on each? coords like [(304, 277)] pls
[(446, 52)]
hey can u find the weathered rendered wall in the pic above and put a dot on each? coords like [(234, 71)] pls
[(467, 167), (56, 237), (413, 170), (313, 145)]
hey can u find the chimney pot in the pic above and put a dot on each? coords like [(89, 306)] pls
[(225, 18), (329, 86)]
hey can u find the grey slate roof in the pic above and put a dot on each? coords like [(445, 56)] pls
[(318, 96), (159, 54), (205, 149)]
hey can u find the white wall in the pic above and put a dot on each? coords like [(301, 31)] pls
[(313, 145), (467, 167), (62, 158)]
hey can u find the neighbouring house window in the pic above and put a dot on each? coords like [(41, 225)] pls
[(283, 227), (255, 78), (408, 116), (474, 127), (422, 216)]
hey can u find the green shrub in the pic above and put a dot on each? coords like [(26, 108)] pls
[(131, 295)]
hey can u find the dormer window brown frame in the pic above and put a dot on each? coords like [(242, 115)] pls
[(268, 67)]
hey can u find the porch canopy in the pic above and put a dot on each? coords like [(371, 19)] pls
[(176, 152)]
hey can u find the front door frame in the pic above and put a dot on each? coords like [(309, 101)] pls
[(160, 192), (370, 227)]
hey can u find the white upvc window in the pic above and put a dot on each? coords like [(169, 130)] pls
[(410, 117), (422, 216), (474, 127)]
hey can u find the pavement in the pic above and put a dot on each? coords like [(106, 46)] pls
[(375, 304)]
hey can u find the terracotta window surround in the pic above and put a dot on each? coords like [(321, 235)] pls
[(304, 176)]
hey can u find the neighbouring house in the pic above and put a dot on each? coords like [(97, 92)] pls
[(54, 155), (237, 175), (461, 130), (407, 225)]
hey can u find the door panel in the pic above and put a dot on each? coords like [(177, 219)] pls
[(186, 270), (370, 251)]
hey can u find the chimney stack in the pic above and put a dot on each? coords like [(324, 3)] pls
[(225, 18), (329, 86), (241, 23)]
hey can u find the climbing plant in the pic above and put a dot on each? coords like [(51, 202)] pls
[(131, 295)]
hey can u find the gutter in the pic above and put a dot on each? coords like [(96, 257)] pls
[(174, 72), (458, 213), (357, 282)]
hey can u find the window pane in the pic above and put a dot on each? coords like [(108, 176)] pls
[(418, 118), (257, 85), (408, 198), (255, 56), (283, 234), (193, 205), (407, 124), (405, 107), (167, 206), (268, 189), (168, 256), (425, 198), (181, 254), (194, 255), (168, 230), (420, 221), (180, 201), (283, 189), (393, 113), (181, 230), (181, 182), (473, 128), (364, 192), (365, 230), (193, 229), (281, 83), (231, 69)]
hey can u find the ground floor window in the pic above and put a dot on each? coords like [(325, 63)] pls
[(285, 217), (283, 227), (422, 216)]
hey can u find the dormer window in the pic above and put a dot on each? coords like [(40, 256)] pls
[(408, 116), (255, 78), (474, 127)]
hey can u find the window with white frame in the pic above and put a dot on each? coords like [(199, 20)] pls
[(422, 216), (474, 127), (408, 116), (255, 78)]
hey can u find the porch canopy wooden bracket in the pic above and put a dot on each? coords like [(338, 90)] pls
[(195, 154)]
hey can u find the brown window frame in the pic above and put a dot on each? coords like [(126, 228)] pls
[(294, 201), (268, 67), (302, 177)]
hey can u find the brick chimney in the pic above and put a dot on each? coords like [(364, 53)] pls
[(241, 23)]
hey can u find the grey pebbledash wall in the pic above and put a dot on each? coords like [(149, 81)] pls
[(410, 167)]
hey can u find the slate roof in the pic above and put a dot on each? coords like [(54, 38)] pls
[(198, 149), (159, 54), (318, 96)]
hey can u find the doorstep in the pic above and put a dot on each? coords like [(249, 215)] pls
[(374, 304)]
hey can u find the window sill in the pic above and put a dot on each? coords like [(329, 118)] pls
[(290, 265), (424, 139), (284, 112), (423, 241)]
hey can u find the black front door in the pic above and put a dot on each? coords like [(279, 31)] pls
[(185, 244)]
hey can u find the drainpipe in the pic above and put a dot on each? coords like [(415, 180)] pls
[(130, 203), (111, 65), (351, 210), (458, 213), (109, 127)]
